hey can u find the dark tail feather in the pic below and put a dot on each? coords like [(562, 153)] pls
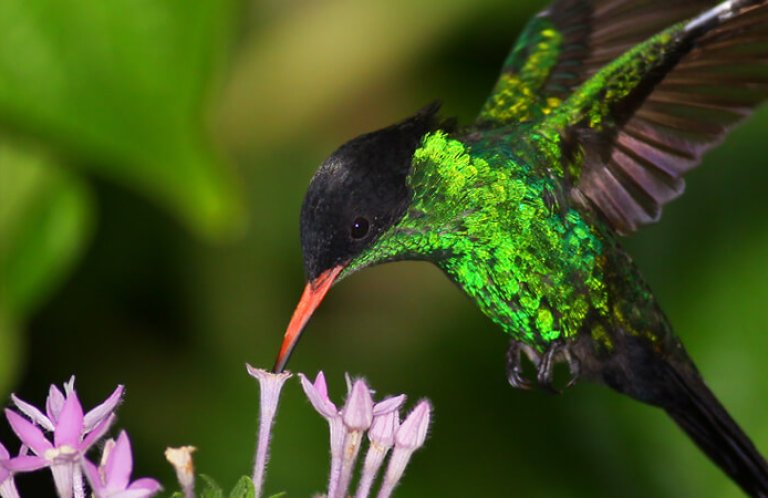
[(703, 418)]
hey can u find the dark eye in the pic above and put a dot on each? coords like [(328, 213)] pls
[(360, 228)]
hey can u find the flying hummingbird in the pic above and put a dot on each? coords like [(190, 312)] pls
[(601, 108)]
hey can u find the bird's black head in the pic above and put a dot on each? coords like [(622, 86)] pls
[(356, 194), (359, 192)]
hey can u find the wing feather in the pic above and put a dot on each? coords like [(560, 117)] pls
[(680, 108), (566, 44)]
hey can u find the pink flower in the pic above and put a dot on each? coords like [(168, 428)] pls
[(317, 393), (7, 484), (386, 420), (112, 479), (73, 434), (409, 437), (55, 402), (270, 385)]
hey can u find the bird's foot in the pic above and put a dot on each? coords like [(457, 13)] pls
[(556, 353), (515, 374), (544, 365)]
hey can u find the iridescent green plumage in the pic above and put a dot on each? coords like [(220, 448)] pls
[(493, 208), (466, 205)]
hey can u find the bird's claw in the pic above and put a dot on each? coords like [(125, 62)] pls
[(544, 365), (515, 374)]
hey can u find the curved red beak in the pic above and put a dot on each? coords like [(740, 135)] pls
[(313, 295)]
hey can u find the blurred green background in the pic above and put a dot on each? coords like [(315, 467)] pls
[(153, 158)]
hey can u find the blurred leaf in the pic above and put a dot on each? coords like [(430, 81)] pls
[(122, 85), (243, 489), (210, 488), (45, 217)]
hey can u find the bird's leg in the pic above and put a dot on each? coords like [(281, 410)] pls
[(514, 365), (545, 373)]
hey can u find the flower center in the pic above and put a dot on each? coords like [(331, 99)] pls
[(64, 452)]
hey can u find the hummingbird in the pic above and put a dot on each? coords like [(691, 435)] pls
[(600, 109)]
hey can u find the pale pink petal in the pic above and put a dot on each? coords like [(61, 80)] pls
[(388, 405), (33, 413), (97, 433), (28, 433), (99, 413), (4, 455), (119, 464), (317, 394), (413, 431), (69, 428), (383, 429), (147, 484), (357, 413), (25, 463), (54, 403), (320, 385), (93, 475)]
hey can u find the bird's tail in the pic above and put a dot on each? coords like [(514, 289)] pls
[(696, 410), (661, 373)]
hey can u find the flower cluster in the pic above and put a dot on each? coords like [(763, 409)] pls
[(73, 434), (381, 422), (60, 437), (348, 425)]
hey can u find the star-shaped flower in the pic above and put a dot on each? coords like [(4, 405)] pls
[(55, 402), (73, 434), (112, 479)]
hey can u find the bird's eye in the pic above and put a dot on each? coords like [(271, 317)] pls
[(360, 228)]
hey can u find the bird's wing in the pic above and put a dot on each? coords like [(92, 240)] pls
[(566, 44), (639, 124)]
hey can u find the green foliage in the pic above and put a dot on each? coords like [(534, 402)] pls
[(45, 219), (122, 85), (116, 89), (243, 489), (209, 487)]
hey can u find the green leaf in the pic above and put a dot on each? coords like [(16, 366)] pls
[(210, 488), (45, 219), (243, 489), (123, 86), (279, 495), (177, 494)]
